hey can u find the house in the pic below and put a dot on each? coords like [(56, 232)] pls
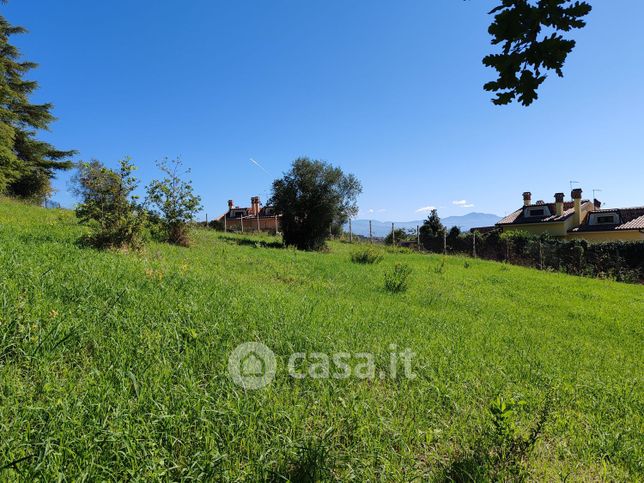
[(253, 218), (576, 219)]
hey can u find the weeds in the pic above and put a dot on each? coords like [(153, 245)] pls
[(366, 256), (396, 280)]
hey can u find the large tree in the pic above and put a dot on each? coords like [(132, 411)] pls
[(532, 44), (27, 165), (311, 197)]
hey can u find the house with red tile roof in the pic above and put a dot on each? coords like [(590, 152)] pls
[(576, 219)]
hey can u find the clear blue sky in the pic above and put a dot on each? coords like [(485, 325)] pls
[(388, 90)]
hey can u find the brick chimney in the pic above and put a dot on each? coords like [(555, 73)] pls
[(576, 198), (254, 205), (527, 198), (231, 205), (559, 203)]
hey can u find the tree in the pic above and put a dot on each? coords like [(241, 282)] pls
[(527, 51), (311, 197), (432, 226), (109, 206), (27, 165), (431, 231), (174, 200)]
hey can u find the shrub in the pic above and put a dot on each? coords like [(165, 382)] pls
[(396, 280), (172, 198), (108, 206), (366, 256), (399, 234)]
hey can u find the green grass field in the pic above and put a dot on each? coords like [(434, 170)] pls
[(114, 365)]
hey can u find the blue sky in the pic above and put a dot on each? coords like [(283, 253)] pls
[(388, 90)]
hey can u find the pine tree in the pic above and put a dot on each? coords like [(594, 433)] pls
[(27, 165)]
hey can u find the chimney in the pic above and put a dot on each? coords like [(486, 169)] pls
[(576, 198), (527, 198), (559, 203), (231, 205), (254, 205)]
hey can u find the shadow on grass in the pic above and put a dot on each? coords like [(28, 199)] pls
[(250, 242)]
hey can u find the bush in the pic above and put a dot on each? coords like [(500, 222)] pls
[(108, 206), (399, 235), (396, 279), (366, 256), (173, 200)]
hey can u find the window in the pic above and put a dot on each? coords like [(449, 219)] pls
[(607, 219), (540, 212)]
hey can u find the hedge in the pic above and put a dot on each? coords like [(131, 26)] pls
[(622, 261)]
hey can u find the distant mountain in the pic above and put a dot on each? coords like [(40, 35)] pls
[(383, 228)]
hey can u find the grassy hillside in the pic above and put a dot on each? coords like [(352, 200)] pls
[(114, 365)]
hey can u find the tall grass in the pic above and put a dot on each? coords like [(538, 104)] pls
[(113, 365)]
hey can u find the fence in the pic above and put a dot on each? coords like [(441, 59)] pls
[(623, 261)]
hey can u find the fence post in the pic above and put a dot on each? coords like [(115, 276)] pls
[(474, 244), (276, 230), (225, 223), (444, 243), (242, 223), (540, 256), (206, 220), (418, 237), (370, 236), (393, 236), (258, 227), (350, 232)]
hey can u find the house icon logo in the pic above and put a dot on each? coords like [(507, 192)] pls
[(252, 365)]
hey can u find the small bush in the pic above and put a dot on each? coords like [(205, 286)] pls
[(366, 256), (396, 279), (174, 202), (108, 205)]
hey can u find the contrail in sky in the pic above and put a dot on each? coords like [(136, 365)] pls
[(260, 166)]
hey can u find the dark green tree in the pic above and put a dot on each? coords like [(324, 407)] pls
[(431, 231), (530, 35), (312, 197), (27, 165)]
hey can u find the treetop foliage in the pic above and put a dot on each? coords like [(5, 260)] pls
[(531, 45)]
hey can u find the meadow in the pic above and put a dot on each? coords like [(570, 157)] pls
[(113, 365)]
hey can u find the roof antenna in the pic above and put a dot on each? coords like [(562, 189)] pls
[(596, 190), (572, 183)]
